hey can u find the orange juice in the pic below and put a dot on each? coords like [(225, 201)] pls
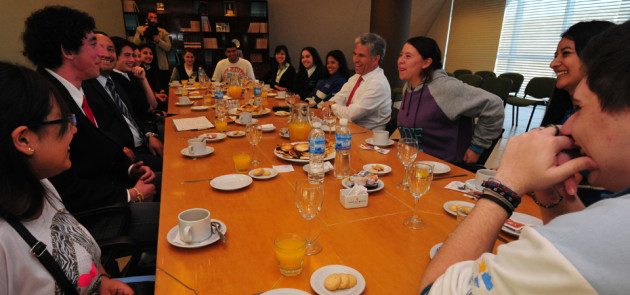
[(235, 91), (241, 161), (184, 82), (298, 131), (264, 93), (290, 251), (221, 125), (207, 100), (196, 84), (185, 92)]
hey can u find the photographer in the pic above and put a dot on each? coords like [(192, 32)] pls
[(159, 41)]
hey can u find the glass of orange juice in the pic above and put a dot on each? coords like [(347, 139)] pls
[(184, 82), (185, 92), (241, 161), (290, 249), (196, 84), (221, 124)]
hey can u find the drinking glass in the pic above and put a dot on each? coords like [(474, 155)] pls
[(420, 178), (329, 118), (309, 198), (407, 152), (254, 134)]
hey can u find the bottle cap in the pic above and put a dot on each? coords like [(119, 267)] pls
[(343, 121)]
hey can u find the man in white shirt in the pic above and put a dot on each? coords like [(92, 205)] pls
[(232, 64), (366, 98)]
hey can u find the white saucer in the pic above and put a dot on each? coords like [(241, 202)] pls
[(434, 250), (195, 96), (438, 168), (522, 218), (186, 152), (371, 141), (285, 114), (283, 134), (174, 232), (348, 184), (213, 137), (320, 275), (231, 182), (238, 121), (183, 104), (367, 167), (273, 174), (472, 184), (199, 108), (236, 133), (326, 168), (286, 291), (268, 129), (271, 94), (457, 203)]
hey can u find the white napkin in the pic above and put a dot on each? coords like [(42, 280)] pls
[(357, 190), (328, 166), (283, 168), (455, 185), (267, 126)]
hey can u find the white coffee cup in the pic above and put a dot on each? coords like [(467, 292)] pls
[(184, 100), (197, 146), (194, 225), (245, 117), (483, 175), (380, 137), (282, 94)]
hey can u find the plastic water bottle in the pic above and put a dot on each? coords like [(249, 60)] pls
[(202, 75), (257, 88), (218, 96), (343, 139), (316, 150)]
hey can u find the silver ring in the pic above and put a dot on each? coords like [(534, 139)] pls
[(557, 128)]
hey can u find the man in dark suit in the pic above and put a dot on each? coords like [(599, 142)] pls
[(61, 43), (116, 113)]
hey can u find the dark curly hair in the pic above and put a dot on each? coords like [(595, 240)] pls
[(49, 29)]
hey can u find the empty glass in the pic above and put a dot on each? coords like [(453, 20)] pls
[(309, 198), (254, 135), (420, 178), (407, 152)]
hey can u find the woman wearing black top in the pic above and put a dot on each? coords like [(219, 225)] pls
[(311, 70), (186, 70), (282, 73)]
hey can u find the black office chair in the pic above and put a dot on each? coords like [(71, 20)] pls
[(537, 92), (470, 79), (486, 74), (498, 86), (459, 72)]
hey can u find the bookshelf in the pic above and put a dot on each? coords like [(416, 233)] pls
[(205, 26)]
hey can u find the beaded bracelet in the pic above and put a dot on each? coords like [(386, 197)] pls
[(546, 206), (508, 199)]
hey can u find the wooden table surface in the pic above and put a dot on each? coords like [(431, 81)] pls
[(372, 240)]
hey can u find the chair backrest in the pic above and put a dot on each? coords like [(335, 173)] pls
[(486, 74), (470, 79), (540, 87), (461, 72), (517, 81), (498, 86)]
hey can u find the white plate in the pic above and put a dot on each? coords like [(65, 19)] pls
[(186, 152), (215, 137), (522, 218), (283, 133), (328, 129), (236, 133), (438, 168), (268, 129), (305, 168), (281, 156), (273, 174), (271, 94), (195, 96), (472, 184), (183, 104), (367, 167), (285, 114), (434, 250), (457, 203), (231, 182), (238, 121), (348, 184), (265, 111), (199, 108), (320, 275), (371, 141), (172, 234), (286, 291)]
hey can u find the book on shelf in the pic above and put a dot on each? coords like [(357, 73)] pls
[(255, 27), (261, 43), (210, 43), (205, 24), (223, 27), (131, 21), (258, 9), (195, 26)]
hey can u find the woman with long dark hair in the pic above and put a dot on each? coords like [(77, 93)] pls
[(36, 129), (282, 73), (438, 110), (336, 75), (310, 71)]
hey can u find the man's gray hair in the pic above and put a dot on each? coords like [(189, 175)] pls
[(375, 43)]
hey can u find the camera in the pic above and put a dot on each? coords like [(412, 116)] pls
[(152, 30)]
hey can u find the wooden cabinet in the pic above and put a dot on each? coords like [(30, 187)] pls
[(205, 26)]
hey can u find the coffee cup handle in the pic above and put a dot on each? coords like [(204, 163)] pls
[(185, 234)]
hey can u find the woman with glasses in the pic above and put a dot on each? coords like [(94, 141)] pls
[(36, 129)]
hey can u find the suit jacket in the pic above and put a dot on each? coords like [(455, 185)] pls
[(98, 175), (109, 116), (136, 98)]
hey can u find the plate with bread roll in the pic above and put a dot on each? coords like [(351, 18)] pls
[(298, 151), (263, 173), (337, 279), (378, 169), (451, 206)]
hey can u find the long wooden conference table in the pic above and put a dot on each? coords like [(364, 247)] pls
[(372, 240)]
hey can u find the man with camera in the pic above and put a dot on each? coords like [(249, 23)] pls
[(160, 43)]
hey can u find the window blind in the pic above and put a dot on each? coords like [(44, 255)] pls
[(531, 31)]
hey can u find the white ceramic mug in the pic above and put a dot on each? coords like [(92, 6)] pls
[(380, 137), (184, 100), (245, 117), (282, 94), (197, 146), (194, 225), (483, 175)]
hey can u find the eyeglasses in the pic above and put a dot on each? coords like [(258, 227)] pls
[(72, 119)]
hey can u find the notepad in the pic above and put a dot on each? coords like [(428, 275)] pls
[(196, 123)]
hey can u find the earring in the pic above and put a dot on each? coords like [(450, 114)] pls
[(30, 149)]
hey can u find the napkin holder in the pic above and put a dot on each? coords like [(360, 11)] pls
[(356, 199)]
